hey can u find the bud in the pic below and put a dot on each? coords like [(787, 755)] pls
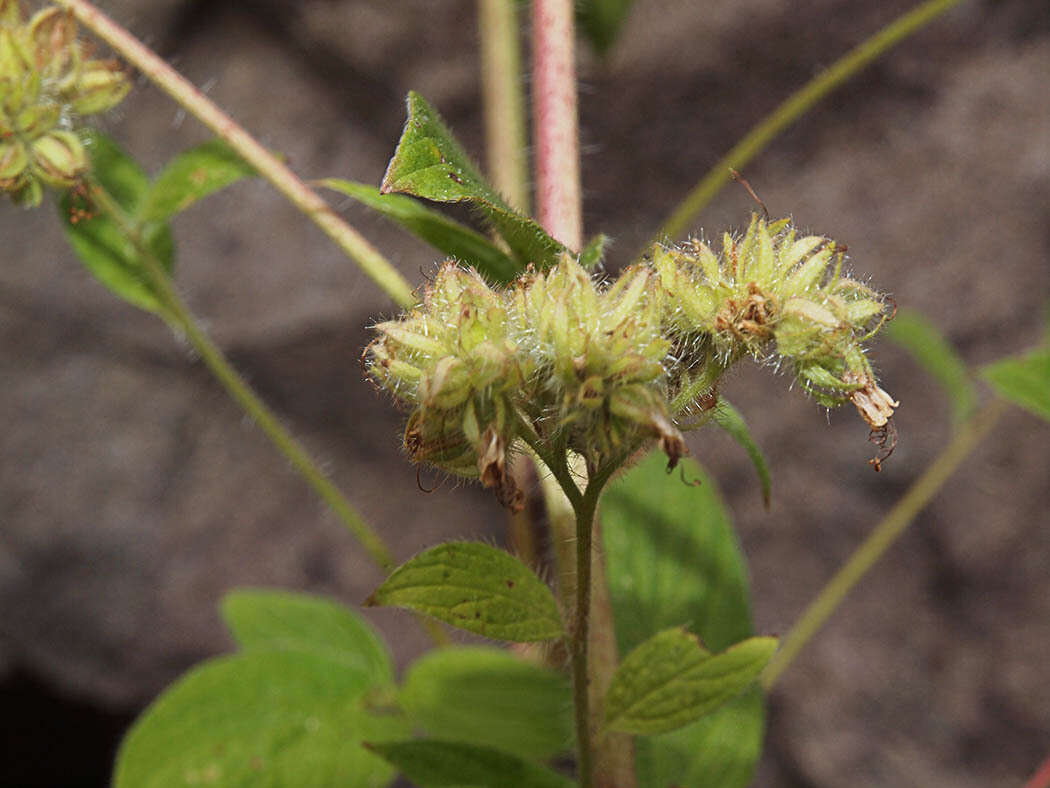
[(13, 159), (59, 158), (10, 13), (102, 85)]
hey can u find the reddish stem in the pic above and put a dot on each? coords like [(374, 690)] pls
[(555, 123), (1041, 778)]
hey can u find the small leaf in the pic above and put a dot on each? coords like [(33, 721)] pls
[(912, 331), (441, 232), (594, 252), (477, 588), (264, 619), (1024, 380), (118, 173), (601, 21), (489, 697), (441, 764), (192, 176), (732, 421), (259, 718), (104, 249), (430, 163), (671, 680)]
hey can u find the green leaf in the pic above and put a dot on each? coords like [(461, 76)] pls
[(441, 232), (441, 764), (117, 172), (672, 559), (100, 243), (477, 588), (1024, 380), (259, 718), (430, 163), (594, 252), (732, 421), (671, 680), (718, 751), (264, 619), (489, 697), (601, 21), (927, 345), (192, 176)]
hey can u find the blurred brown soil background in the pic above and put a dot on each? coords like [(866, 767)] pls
[(134, 495)]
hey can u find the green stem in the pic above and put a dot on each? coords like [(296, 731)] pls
[(882, 537), (504, 101), (791, 110), (585, 510), (371, 261)]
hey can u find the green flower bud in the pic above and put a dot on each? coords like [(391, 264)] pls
[(13, 160), (59, 158), (102, 85)]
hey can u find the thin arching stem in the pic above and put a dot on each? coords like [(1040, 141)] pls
[(882, 537), (269, 166)]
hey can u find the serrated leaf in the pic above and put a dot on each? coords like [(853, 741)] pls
[(477, 588), (490, 697), (928, 347), (431, 164), (601, 21), (671, 680), (431, 763), (192, 176), (260, 718), (672, 560), (266, 619), (100, 243), (732, 421), (1024, 381), (441, 232)]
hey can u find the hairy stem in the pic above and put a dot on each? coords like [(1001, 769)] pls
[(371, 261), (882, 537), (791, 110), (504, 101), (555, 122)]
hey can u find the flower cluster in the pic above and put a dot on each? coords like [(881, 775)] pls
[(46, 82), (566, 362)]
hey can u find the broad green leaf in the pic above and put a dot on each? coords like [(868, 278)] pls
[(477, 588), (672, 560), (259, 718), (927, 345), (430, 163), (601, 20), (671, 680), (718, 751), (100, 243), (489, 697), (1024, 380), (732, 421), (441, 232), (431, 763), (264, 619), (192, 176)]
